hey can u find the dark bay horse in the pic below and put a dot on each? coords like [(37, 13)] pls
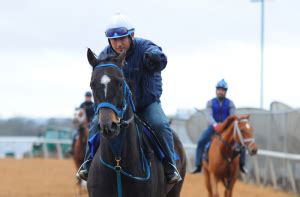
[(223, 159), (120, 167), (80, 122)]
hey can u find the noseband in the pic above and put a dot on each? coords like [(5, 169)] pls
[(237, 132)]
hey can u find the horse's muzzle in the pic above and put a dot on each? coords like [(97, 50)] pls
[(252, 150), (110, 130), (108, 123)]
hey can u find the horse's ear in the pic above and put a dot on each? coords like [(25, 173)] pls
[(92, 58), (234, 117), (121, 58), (246, 116)]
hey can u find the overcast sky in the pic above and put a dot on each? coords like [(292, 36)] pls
[(44, 70)]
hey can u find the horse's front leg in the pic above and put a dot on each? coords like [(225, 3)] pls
[(234, 171), (228, 191), (207, 180), (214, 185)]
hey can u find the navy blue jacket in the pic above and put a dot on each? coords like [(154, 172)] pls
[(145, 76)]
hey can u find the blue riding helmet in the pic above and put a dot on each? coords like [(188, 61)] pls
[(222, 84)]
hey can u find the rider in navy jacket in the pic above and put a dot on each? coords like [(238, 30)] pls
[(217, 110), (145, 74), (143, 65)]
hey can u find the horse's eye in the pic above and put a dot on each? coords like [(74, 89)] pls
[(120, 85)]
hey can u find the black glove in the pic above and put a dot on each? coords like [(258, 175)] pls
[(152, 60)]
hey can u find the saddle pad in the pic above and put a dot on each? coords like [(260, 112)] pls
[(94, 142), (206, 149), (156, 146)]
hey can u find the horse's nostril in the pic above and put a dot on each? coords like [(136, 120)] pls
[(105, 128), (114, 126)]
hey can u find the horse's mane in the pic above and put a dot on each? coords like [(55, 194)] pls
[(226, 124)]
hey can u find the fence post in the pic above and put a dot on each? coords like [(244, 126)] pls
[(45, 150), (256, 169), (273, 175), (291, 176), (59, 151)]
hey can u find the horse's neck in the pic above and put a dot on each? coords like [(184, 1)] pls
[(227, 136), (132, 143), (130, 149), (83, 126)]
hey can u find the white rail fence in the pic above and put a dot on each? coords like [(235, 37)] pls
[(41, 141), (261, 176), (58, 144)]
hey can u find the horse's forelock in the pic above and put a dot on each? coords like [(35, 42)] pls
[(228, 122)]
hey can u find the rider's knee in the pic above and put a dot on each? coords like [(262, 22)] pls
[(161, 126)]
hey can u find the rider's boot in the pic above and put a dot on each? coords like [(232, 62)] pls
[(83, 171), (170, 169), (196, 169), (243, 168), (171, 172)]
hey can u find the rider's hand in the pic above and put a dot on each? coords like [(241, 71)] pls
[(152, 60), (217, 127)]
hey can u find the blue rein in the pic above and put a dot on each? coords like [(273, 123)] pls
[(120, 113)]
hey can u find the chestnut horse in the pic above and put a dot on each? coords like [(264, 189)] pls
[(223, 156), (81, 123)]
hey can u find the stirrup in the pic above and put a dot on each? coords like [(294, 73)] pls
[(176, 172), (77, 173), (176, 178), (174, 167)]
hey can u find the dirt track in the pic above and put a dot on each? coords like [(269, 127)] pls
[(37, 177)]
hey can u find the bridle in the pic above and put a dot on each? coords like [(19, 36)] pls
[(127, 97), (237, 132)]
